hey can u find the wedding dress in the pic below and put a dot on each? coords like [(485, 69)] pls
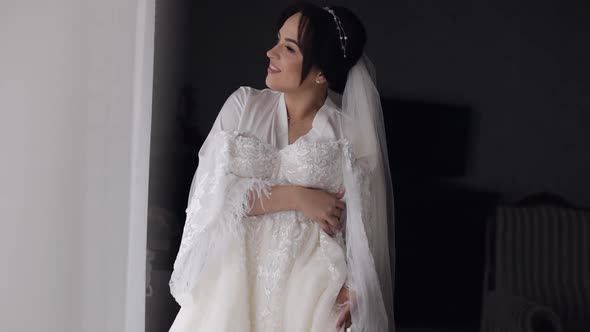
[(273, 272)]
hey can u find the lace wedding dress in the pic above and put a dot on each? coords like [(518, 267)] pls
[(281, 271)]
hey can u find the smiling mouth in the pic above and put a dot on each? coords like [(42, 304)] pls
[(273, 69)]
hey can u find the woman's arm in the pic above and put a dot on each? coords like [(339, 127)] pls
[(281, 198), (320, 206)]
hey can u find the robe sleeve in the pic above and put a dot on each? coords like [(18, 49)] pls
[(227, 120), (218, 200)]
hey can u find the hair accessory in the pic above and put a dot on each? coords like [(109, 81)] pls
[(341, 33)]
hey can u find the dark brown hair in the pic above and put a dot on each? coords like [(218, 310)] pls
[(320, 42)]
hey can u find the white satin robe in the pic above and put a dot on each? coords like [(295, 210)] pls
[(282, 272)]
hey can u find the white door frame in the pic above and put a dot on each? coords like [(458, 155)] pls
[(120, 57)]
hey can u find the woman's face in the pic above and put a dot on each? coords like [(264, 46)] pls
[(286, 59)]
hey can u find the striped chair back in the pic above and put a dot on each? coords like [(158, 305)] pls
[(542, 253)]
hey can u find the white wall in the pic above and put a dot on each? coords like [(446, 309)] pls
[(75, 99)]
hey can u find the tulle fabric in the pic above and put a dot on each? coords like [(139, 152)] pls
[(369, 224)]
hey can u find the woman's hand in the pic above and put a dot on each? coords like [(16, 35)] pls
[(322, 207), (346, 300)]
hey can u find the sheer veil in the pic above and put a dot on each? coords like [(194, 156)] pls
[(369, 216)]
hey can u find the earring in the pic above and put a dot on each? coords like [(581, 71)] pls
[(317, 81)]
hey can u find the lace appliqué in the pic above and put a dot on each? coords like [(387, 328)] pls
[(219, 195), (269, 268), (244, 166), (314, 164), (363, 173)]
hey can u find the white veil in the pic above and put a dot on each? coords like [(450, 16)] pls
[(369, 216)]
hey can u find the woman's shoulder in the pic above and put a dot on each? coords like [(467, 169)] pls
[(246, 94), (236, 108), (246, 97), (255, 102)]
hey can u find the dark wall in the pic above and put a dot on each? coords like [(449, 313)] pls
[(171, 157), (522, 66)]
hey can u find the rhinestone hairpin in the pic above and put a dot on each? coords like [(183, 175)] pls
[(341, 33)]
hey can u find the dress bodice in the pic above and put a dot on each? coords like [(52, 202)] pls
[(309, 164), (276, 271)]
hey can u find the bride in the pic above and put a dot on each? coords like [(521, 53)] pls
[(290, 210)]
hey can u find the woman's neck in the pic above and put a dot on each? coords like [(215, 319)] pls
[(301, 105)]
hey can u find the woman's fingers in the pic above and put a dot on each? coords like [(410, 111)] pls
[(344, 317), (328, 211), (336, 212), (333, 221), (326, 227), (338, 203)]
